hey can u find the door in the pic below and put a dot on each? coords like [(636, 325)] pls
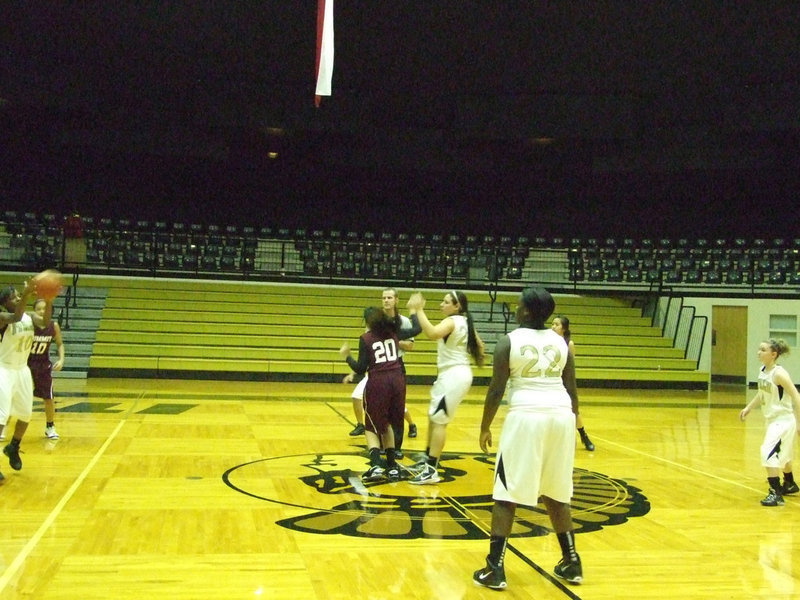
[(729, 344)]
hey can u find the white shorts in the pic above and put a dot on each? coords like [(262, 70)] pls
[(535, 456), (449, 389), (779, 431), (358, 392), (16, 394)]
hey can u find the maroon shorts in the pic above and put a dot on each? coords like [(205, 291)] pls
[(42, 381), (384, 400)]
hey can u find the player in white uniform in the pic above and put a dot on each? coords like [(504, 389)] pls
[(457, 341), (777, 396), (16, 383), (537, 443), (389, 299)]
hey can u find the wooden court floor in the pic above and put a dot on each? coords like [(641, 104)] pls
[(194, 490)]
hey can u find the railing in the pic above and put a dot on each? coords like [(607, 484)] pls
[(679, 323)]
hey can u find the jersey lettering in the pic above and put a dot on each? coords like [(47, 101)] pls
[(39, 347), (550, 354), (384, 351), (24, 344)]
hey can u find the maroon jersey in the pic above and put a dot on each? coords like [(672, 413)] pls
[(39, 361), (376, 354), (39, 358), (385, 393)]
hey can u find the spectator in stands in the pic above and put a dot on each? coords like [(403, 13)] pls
[(561, 327), (41, 367), (457, 340), (16, 384), (389, 299), (537, 444), (385, 390), (777, 396)]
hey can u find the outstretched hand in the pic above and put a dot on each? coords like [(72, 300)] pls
[(416, 301), (344, 351)]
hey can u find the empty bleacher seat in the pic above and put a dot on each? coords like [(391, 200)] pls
[(734, 277), (634, 275), (694, 276)]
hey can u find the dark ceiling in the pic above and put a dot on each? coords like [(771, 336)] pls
[(610, 116)]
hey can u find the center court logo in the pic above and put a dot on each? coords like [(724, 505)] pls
[(327, 492)]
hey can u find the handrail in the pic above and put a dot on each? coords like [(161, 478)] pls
[(506, 316)]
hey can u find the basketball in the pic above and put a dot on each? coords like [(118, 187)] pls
[(48, 284)]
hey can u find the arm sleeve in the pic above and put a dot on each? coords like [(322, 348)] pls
[(360, 366), (416, 329)]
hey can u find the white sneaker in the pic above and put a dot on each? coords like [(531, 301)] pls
[(50, 433), (428, 474)]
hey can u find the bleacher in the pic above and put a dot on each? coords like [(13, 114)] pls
[(177, 328), (142, 248), (265, 331)]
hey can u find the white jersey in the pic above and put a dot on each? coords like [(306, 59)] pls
[(16, 342), (775, 403), (453, 350), (536, 360)]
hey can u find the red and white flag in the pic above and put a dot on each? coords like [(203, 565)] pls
[(324, 49)]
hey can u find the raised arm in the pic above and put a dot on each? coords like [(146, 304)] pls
[(416, 306), (7, 317), (406, 335)]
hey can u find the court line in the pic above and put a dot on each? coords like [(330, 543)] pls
[(18, 561), (679, 465), (339, 413), (467, 514)]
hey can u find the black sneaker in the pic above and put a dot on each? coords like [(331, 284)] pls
[(490, 576), (374, 473), (357, 430), (569, 570), (12, 452), (772, 499), (412, 430), (790, 488), (587, 443), (398, 454), (393, 474)]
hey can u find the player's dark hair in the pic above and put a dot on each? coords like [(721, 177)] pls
[(379, 323), (6, 293), (564, 327), (473, 347), (539, 304)]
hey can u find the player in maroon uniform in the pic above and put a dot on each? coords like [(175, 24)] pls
[(384, 395), (41, 367)]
